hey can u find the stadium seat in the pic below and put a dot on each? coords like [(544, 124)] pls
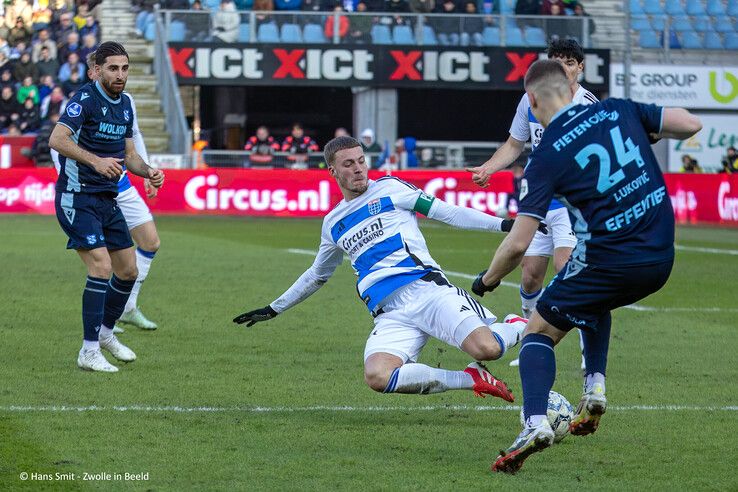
[(724, 24), (290, 33), (381, 34), (635, 7), (673, 7), (640, 23), (491, 36), (658, 22), (464, 39), (674, 41), (477, 39), (448, 39), (244, 33), (652, 7), (177, 31), (313, 33), (142, 19), (211, 5), (429, 36), (649, 39), (731, 41), (713, 41), (402, 34), (695, 7), (702, 24), (535, 36), (514, 36), (268, 33), (150, 31), (691, 41), (681, 23), (287, 5), (732, 8), (715, 8)]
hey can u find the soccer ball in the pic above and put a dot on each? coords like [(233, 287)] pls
[(559, 413)]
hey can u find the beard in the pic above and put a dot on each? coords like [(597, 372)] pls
[(112, 89)]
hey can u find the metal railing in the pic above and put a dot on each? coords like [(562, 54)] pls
[(180, 135), (379, 28)]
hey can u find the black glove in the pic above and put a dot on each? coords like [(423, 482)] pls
[(507, 224), (479, 288), (253, 317)]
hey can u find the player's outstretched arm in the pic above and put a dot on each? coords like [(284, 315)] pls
[(679, 123), (61, 141), (471, 219), (252, 317), (503, 157)]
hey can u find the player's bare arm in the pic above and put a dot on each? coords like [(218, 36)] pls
[(137, 166), (509, 254), (679, 123), (503, 157), (61, 141)]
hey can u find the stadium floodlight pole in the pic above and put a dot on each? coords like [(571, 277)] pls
[(627, 56)]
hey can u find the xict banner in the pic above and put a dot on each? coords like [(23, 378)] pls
[(362, 65), (696, 198)]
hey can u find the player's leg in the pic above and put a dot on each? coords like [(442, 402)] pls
[(593, 403), (533, 273), (123, 263), (143, 230)]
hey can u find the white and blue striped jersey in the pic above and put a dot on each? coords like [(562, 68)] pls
[(526, 127), (379, 233)]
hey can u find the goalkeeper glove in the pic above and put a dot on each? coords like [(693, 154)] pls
[(479, 288), (507, 225), (253, 317)]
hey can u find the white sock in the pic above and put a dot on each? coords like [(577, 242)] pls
[(105, 332), (581, 346), (143, 263), (535, 421), (90, 345), (424, 380), (592, 379), (528, 300), (510, 333)]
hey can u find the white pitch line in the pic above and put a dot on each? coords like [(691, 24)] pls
[(634, 307), (336, 409), (715, 251)]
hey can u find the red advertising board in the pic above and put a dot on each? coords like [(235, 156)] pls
[(697, 199), (12, 151)]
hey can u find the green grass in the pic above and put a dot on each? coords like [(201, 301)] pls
[(210, 269)]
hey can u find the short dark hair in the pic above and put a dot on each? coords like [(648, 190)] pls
[(90, 61), (336, 145), (109, 48), (546, 76), (565, 48)]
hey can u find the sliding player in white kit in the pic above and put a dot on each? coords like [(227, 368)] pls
[(402, 286), (138, 218), (560, 240)]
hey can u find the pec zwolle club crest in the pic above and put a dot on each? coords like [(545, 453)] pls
[(375, 206)]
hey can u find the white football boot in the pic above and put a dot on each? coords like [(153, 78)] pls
[(117, 349), (136, 318), (94, 360)]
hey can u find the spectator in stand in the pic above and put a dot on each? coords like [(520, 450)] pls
[(343, 24), (361, 25), (422, 6), (368, 143), (20, 33), (80, 19), (528, 7), (340, 132), (42, 16), (226, 22), (397, 7), (4, 62), (28, 90), (92, 27), (25, 68), (72, 65), (263, 6), (18, 9), (473, 23), (730, 161), (690, 165), (559, 26), (9, 108), (298, 144), (548, 7), (63, 29), (198, 24), (41, 152), (29, 121), (47, 65), (262, 146), (579, 12), (70, 46), (17, 50), (315, 6), (45, 86), (71, 86), (12, 130), (4, 47), (89, 45), (43, 40), (54, 102), (447, 28), (6, 78)]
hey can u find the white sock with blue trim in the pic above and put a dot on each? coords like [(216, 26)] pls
[(528, 301), (143, 263), (424, 380)]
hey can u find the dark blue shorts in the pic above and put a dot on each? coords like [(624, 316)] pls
[(92, 220), (579, 298)]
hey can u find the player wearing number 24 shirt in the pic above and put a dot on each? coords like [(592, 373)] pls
[(598, 162)]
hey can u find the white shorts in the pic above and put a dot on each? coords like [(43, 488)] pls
[(560, 234), (421, 310), (134, 209)]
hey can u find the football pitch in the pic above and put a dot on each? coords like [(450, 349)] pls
[(210, 405)]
